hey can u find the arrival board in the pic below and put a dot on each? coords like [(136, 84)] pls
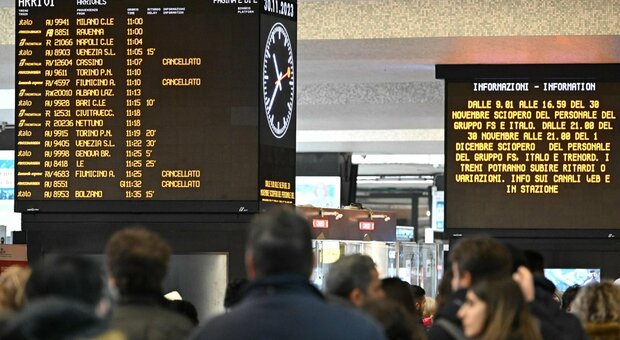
[(142, 101)]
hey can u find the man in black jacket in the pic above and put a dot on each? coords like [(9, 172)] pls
[(554, 322), (472, 260), (280, 303)]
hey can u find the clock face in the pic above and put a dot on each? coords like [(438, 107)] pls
[(278, 80)]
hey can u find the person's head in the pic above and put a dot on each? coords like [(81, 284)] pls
[(279, 242), (430, 307), (70, 277), (12, 288), (397, 323), (137, 260), (569, 296), (398, 290), (522, 273), (535, 262), (479, 258), (496, 309), (419, 298), (597, 303), (354, 277)]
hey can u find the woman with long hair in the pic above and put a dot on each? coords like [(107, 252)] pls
[(399, 292), (497, 310)]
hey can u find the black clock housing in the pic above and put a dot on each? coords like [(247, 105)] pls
[(278, 80)]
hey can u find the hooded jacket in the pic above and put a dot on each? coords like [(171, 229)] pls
[(554, 323)]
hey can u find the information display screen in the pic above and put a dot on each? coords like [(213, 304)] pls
[(532, 153), (138, 100), (563, 278)]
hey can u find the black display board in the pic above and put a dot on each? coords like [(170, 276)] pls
[(532, 146), (155, 106)]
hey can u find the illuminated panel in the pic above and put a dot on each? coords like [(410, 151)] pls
[(145, 101), (532, 153)]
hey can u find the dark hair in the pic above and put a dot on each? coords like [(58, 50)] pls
[(399, 291), (569, 295), (419, 297), (348, 273), (518, 257), (417, 292), (71, 277), (444, 288), (507, 314), (535, 262), (396, 322), (280, 242), (483, 257), (234, 292), (137, 260)]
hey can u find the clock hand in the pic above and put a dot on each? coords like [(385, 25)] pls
[(273, 97), (286, 75), (275, 63)]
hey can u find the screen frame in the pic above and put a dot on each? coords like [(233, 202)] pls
[(247, 203), (513, 73)]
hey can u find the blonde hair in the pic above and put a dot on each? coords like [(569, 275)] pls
[(12, 287), (430, 307), (598, 303)]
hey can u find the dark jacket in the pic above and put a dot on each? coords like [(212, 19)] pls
[(148, 318), (288, 307), (58, 319), (554, 323), (439, 331)]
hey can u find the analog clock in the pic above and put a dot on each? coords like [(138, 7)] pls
[(278, 80)]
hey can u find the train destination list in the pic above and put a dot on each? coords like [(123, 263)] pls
[(115, 100)]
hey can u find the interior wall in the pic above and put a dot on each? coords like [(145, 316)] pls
[(200, 279)]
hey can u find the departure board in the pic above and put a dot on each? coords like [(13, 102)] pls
[(121, 104), (530, 151)]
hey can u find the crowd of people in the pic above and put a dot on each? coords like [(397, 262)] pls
[(491, 290)]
